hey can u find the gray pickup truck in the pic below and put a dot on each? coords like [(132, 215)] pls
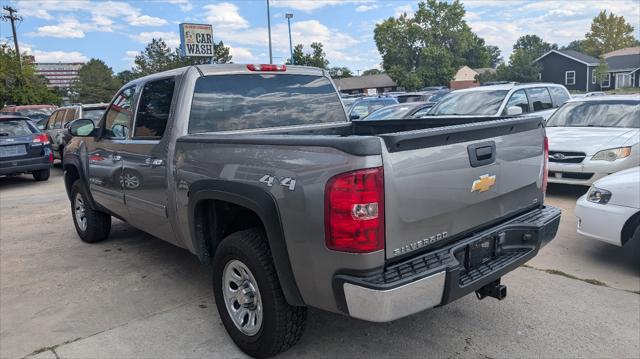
[(257, 170)]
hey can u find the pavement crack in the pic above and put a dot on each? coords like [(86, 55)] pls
[(51, 348), (586, 280)]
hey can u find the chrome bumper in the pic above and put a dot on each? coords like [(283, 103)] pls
[(387, 305)]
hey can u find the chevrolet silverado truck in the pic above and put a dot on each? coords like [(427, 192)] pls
[(257, 170)]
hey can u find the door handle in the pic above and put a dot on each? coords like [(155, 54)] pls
[(116, 158), (481, 154)]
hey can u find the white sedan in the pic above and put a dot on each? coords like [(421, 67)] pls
[(592, 137), (610, 211)]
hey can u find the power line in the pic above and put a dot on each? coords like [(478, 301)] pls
[(13, 18)]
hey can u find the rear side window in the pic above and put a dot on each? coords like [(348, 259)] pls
[(14, 128), (519, 99), (69, 115), (153, 110), (238, 102), (540, 98), (55, 121), (560, 96)]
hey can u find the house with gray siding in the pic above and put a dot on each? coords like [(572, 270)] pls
[(577, 71)]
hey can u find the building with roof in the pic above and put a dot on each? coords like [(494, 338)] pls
[(577, 71), (368, 85), (59, 74), (464, 78)]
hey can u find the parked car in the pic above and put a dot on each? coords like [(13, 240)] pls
[(610, 211), (589, 94), (264, 176), (399, 111), (540, 99), (423, 96), (23, 148), (365, 105), (57, 123), (592, 137), (37, 113)]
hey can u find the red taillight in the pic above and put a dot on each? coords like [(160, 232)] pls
[(41, 138), (354, 211), (266, 67), (96, 158), (50, 156), (545, 168)]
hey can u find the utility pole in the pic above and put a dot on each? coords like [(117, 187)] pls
[(13, 18), (289, 17), (269, 26)]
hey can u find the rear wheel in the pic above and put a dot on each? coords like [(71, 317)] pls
[(41, 175), (91, 225), (249, 297)]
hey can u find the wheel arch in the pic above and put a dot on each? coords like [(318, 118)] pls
[(208, 201), (629, 228)]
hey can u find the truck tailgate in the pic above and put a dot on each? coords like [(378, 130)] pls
[(443, 183)]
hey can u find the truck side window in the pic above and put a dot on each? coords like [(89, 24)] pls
[(519, 99), (119, 114), (560, 96), (153, 110), (540, 98), (69, 116)]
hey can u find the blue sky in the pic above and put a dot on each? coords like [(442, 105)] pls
[(114, 31)]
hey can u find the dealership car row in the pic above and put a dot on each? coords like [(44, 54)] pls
[(590, 137)]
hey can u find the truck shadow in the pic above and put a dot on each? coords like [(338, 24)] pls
[(566, 191)]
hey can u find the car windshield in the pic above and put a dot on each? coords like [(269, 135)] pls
[(93, 114), (469, 103), (597, 114), (37, 113), (389, 113), (13, 128), (437, 96)]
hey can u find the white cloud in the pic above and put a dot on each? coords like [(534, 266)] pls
[(363, 8), (310, 5), (185, 5), (59, 56), (131, 54), (70, 28), (225, 15), (241, 54), (146, 20), (404, 9), (171, 38)]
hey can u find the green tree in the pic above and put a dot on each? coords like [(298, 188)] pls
[(575, 45), (340, 72), (21, 86), (601, 70), (522, 66), (317, 57), (608, 33), (157, 56), (95, 83), (371, 72), (429, 47), (125, 76), (495, 56)]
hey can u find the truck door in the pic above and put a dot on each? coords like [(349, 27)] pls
[(144, 174), (104, 158)]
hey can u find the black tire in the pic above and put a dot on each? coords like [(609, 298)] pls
[(41, 175), (98, 224), (282, 324)]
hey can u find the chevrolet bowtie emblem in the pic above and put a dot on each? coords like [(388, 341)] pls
[(483, 184)]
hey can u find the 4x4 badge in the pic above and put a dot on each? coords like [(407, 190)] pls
[(483, 184)]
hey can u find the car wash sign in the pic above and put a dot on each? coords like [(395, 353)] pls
[(196, 40)]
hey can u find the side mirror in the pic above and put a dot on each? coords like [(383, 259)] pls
[(81, 127), (354, 117), (514, 111)]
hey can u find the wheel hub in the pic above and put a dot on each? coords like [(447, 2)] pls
[(242, 297)]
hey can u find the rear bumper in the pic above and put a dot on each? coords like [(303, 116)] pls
[(25, 165), (441, 276)]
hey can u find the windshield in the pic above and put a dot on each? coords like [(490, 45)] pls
[(13, 128), (469, 103), (437, 96), (238, 102), (597, 114), (389, 113), (93, 114)]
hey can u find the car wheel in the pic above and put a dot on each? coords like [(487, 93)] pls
[(91, 225), (129, 180), (41, 175), (249, 297)]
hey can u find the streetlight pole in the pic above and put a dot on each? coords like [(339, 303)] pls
[(269, 26), (289, 17)]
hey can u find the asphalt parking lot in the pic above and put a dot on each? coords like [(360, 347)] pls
[(136, 296)]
